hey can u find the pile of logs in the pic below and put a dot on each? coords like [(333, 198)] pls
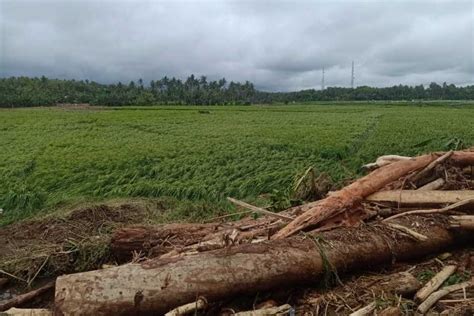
[(405, 208)]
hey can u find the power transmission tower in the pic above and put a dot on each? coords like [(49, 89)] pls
[(352, 76), (322, 81)]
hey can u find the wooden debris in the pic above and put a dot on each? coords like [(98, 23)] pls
[(462, 221), (433, 185), (352, 194), (423, 173), (403, 283), (391, 311), (417, 197), (366, 310), (166, 283), (260, 210), (23, 298), (200, 303), (434, 283), (282, 310), (383, 161), (408, 231), (434, 297), (432, 211), (159, 239), (27, 312)]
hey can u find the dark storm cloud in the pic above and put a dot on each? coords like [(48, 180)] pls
[(279, 45)]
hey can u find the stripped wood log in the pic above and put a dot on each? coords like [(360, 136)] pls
[(434, 297), (201, 303), (462, 221), (432, 211), (282, 310), (416, 197), (434, 284), (433, 185), (159, 285), (340, 201)]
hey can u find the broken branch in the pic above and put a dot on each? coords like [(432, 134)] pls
[(434, 297), (23, 298), (259, 210), (434, 283)]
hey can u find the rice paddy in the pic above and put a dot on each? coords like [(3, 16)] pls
[(53, 157)]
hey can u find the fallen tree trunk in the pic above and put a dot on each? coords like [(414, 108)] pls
[(159, 285), (417, 197), (463, 158), (345, 198)]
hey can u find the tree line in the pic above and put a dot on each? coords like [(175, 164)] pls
[(26, 92)]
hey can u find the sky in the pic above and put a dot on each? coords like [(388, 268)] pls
[(277, 45)]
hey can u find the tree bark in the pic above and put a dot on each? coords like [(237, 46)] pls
[(158, 240), (159, 285)]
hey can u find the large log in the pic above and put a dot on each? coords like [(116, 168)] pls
[(159, 285), (351, 195)]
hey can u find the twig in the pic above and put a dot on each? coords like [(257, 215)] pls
[(441, 210), (13, 276), (227, 215), (23, 298), (259, 209), (30, 281), (434, 297), (434, 283), (408, 231)]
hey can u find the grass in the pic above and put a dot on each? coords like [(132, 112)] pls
[(52, 157)]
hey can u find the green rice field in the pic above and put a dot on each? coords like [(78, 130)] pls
[(54, 157)]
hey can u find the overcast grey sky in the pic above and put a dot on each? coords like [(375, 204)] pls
[(278, 45)]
